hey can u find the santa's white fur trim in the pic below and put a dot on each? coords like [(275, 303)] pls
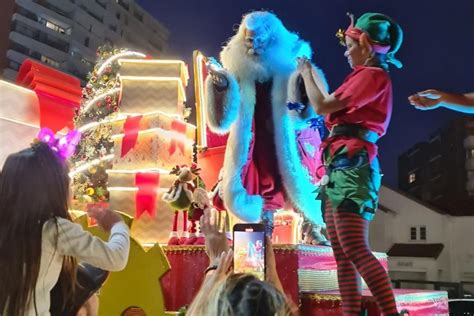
[(221, 119), (243, 205)]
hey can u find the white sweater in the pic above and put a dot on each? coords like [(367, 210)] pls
[(72, 240)]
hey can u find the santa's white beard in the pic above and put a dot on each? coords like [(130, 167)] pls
[(276, 58)]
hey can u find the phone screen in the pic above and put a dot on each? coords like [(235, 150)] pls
[(249, 252)]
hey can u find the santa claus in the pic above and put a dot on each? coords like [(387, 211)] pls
[(270, 160)]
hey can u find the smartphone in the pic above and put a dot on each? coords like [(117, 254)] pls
[(249, 249)]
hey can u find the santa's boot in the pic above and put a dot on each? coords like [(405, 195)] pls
[(192, 234), (174, 237), (185, 235), (267, 220)]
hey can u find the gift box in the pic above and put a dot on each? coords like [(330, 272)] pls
[(153, 140), (150, 225), (417, 302), (19, 118), (150, 85)]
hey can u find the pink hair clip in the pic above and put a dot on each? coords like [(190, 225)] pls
[(64, 146)]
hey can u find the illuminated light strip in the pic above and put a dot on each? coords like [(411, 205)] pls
[(20, 88), (174, 134), (117, 56), (86, 166), (99, 97), (88, 126), (199, 88), (155, 78), (133, 189), (26, 124), (174, 117), (161, 171), (158, 61), (19, 122), (123, 116)]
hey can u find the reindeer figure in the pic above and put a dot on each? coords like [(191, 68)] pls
[(180, 197)]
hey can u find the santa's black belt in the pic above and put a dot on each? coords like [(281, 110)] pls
[(354, 131)]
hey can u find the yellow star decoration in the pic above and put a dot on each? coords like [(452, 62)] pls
[(138, 284)]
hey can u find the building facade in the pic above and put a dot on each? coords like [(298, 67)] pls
[(423, 243), (440, 171), (66, 33)]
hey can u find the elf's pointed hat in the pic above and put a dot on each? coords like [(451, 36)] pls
[(385, 35)]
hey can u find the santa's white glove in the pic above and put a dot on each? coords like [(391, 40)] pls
[(215, 70)]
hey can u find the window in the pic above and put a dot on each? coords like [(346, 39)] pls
[(418, 233), (113, 28), (117, 15), (86, 42), (49, 61), (423, 233), (55, 27), (411, 177), (413, 235)]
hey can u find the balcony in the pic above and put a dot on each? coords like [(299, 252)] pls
[(91, 13), (56, 7), (41, 10), (17, 56), (36, 48), (40, 36)]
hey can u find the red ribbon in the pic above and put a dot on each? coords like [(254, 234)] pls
[(145, 197), (179, 127), (59, 94), (130, 129)]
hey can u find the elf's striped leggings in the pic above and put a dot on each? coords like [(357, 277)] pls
[(348, 233)]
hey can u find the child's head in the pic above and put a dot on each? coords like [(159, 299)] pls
[(373, 40), (34, 187)]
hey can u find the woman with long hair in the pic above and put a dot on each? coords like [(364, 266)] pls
[(224, 293), (38, 240)]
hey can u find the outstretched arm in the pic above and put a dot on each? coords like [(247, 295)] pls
[(431, 99), (223, 97), (322, 102)]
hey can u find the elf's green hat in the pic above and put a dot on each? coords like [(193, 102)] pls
[(386, 35)]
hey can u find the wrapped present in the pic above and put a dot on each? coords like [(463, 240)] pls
[(153, 140), (19, 118), (416, 302), (151, 85), (138, 194)]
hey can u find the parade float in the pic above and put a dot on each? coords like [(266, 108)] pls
[(136, 141)]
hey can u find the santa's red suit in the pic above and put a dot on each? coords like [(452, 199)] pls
[(270, 159)]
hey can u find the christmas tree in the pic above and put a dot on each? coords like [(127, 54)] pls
[(100, 104)]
